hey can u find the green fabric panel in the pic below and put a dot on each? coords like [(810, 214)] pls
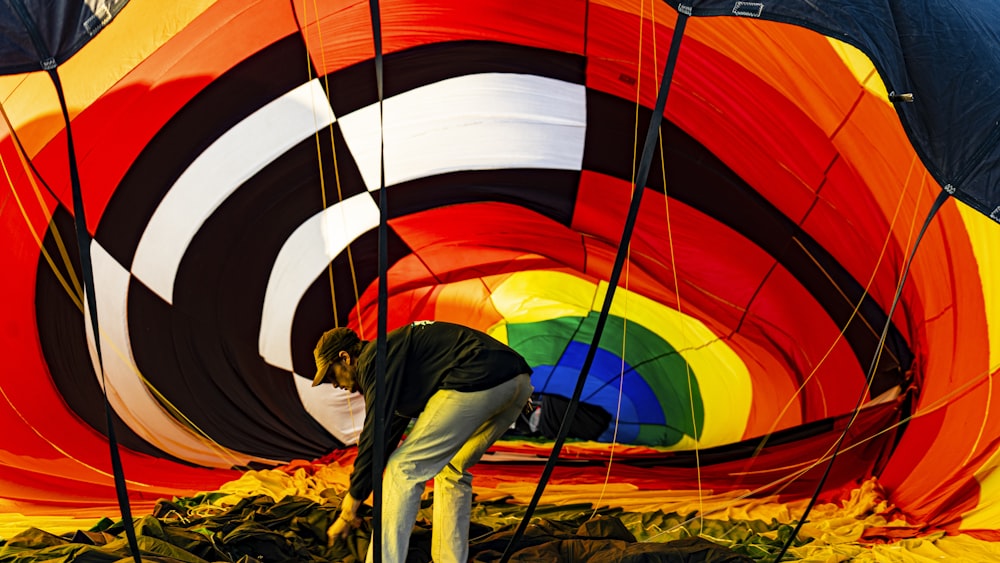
[(649, 356)]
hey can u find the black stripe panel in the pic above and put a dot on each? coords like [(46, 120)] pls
[(222, 104), (551, 193)]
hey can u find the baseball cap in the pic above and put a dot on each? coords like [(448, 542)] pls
[(329, 347)]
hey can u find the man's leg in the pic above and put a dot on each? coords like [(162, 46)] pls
[(446, 424), (453, 484)]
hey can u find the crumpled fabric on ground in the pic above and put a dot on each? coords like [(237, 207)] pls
[(260, 529), (282, 515), (599, 540)]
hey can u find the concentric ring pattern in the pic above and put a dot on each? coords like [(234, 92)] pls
[(231, 175)]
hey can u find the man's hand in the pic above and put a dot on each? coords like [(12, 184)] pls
[(346, 521), (340, 529)]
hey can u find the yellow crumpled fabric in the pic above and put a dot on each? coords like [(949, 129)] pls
[(320, 485)]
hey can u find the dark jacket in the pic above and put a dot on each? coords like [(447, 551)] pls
[(420, 359)]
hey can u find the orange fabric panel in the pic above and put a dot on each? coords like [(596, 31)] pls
[(772, 408)]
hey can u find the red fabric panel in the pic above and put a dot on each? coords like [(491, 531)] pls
[(465, 302), (20, 209), (848, 223), (38, 492), (770, 472), (618, 63), (340, 36), (488, 227), (791, 321), (955, 373), (752, 127), (459, 244)]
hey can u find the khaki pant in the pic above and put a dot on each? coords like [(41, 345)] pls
[(450, 435)]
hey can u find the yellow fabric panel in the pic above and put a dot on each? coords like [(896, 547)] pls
[(861, 67), (723, 378), (13, 523), (138, 30), (278, 484), (984, 236), (920, 550), (534, 296)]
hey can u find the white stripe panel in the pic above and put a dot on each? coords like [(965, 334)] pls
[(303, 258), (341, 412), (475, 122), (234, 158), (127, 394)]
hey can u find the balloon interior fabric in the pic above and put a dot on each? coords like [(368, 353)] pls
[(231, 154)]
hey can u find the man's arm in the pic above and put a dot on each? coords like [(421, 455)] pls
[(361, 476), (396, 355)]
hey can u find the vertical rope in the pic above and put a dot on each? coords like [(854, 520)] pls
[(322, 71), (689, 377), (635, 151)]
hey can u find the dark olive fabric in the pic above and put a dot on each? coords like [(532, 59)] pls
[(600, 540), (258, 529)]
